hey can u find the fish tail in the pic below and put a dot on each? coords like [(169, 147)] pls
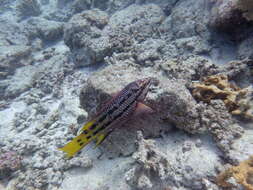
[(75, 145), (85, 136)]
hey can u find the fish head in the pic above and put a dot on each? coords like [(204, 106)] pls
[(143, 83), (143, 86)]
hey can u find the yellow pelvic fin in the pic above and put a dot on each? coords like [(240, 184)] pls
[(76, 144)]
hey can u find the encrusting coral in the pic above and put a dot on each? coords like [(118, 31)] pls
[(243, 174), (236, 99)]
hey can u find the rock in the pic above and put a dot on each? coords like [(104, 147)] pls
[(26, 8), (244, 50), (12, 34), (232, 17), (104, 36), (239, 71), (45, 29), (190, 22), (17, 86), (13, 57), (246, 7), (132, 21), (208, 185), (193, 44), (5, 5), (79, 162), (44, 2), (189, 68), (80, 5), (84, 37), (176, 104), (63, 3), (37, 44), (113, 6), (148, 51)]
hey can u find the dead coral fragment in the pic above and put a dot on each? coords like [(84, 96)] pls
[(218, 87), (243, 174)]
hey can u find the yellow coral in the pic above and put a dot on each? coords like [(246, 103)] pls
[(218, 87), (243, 174)]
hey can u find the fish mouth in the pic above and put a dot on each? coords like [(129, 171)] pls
[(143, 83)]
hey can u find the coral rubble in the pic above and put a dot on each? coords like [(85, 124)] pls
[(241, 174), (218, 87)]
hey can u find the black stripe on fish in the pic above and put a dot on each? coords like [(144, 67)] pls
[(88, 137), (113, 109), (115, 118)]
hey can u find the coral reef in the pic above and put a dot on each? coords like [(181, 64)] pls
[(94, 33), (182, 68), (45, 97), (9, 162), (83, 35), (26, 8), (241, 174), (150, 165), (219, 123), (236, 99)]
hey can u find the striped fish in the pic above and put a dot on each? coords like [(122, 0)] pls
[(114, 113)]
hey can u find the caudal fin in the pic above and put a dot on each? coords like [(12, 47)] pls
[(75, 145)]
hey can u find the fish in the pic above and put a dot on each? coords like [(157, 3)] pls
[(129, 101)]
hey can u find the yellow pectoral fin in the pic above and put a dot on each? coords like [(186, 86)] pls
[(75, 145)]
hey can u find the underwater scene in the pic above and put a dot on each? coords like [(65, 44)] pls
[(126, 94)]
